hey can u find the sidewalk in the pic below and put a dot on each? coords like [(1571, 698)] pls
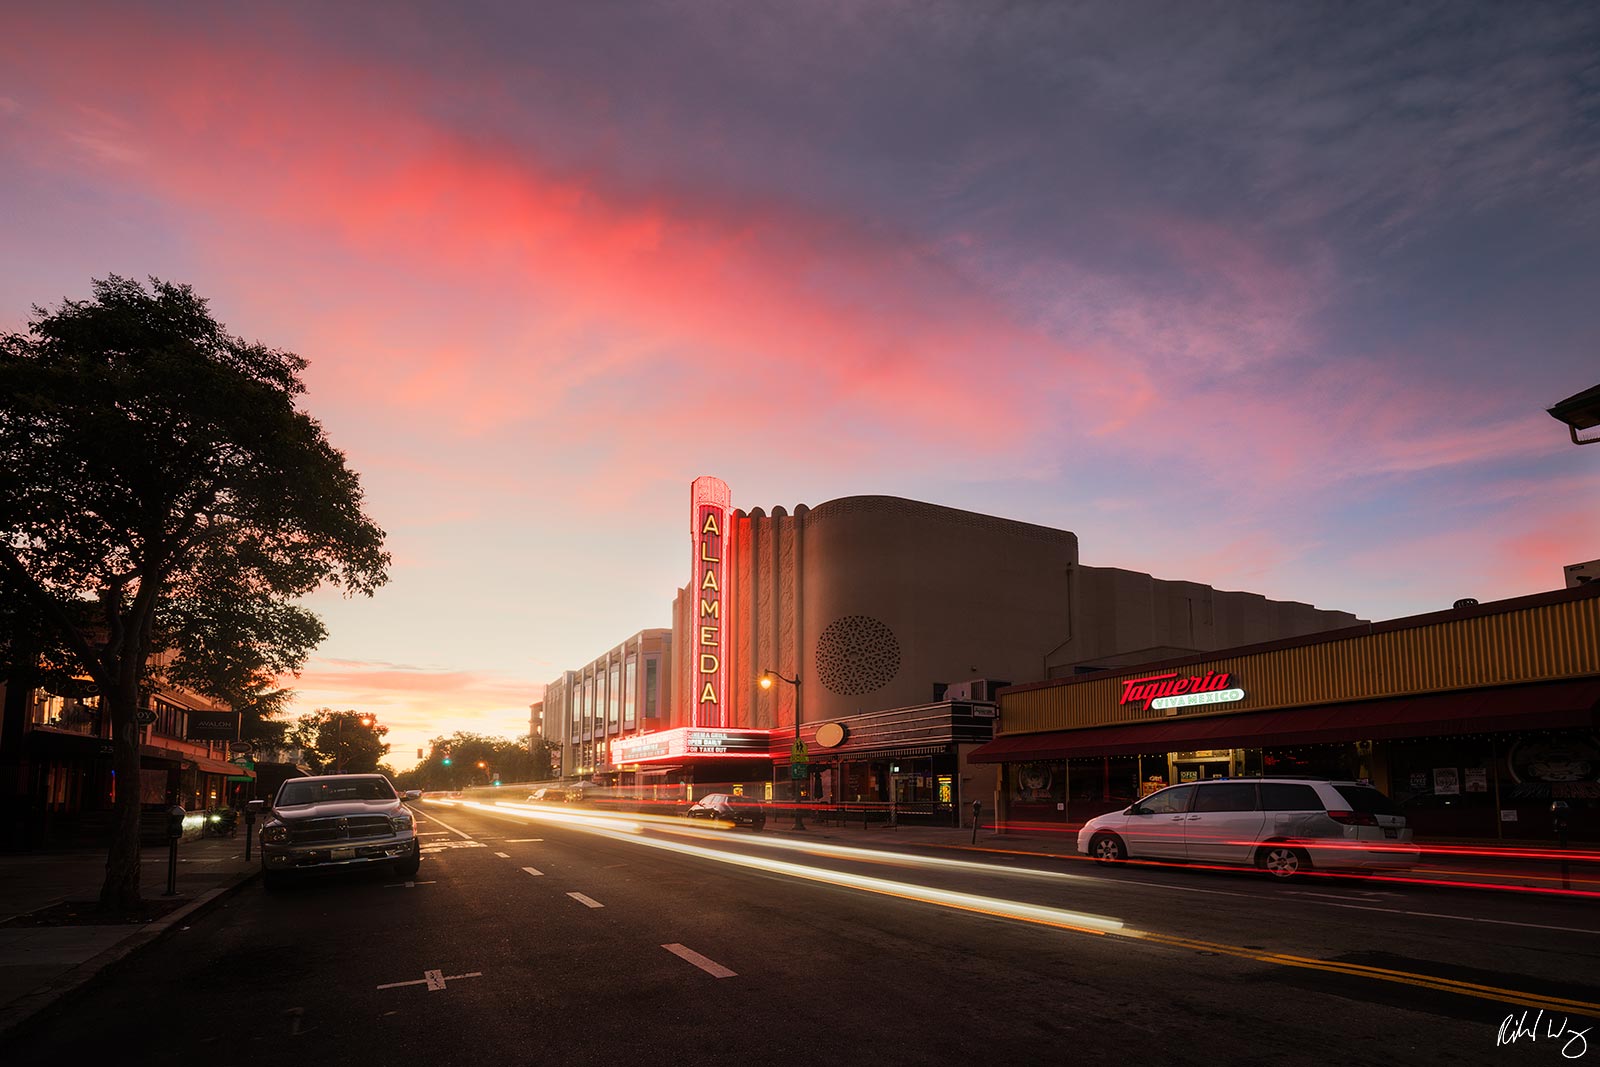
[(39, 964)]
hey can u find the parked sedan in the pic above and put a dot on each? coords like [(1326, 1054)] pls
[(1283, 825), (724, 807), (334, 822), (548, 795)]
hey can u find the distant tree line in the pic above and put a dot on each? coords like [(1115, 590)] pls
[(475, 760)]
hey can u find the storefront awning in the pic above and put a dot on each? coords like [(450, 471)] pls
[(1549, 706), (211, 766)]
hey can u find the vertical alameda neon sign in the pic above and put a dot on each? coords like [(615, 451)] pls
[(710, 500)]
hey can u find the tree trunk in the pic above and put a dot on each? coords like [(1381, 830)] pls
[(120, 893)]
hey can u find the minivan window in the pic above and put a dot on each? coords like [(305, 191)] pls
[(1365, 799), (1168, 801), (1287, 796), (1226, 796)]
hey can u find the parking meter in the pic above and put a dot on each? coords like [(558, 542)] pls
[(1558, 815), (977, 810), (174, 832)]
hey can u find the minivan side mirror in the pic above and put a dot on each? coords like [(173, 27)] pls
[(1135, 810)]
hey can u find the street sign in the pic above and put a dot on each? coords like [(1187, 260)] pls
[(238, 746), (797, 771), (246, 762), (797, 751), (144, 716)]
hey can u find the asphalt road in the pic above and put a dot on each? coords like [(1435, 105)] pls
[(563, 939)]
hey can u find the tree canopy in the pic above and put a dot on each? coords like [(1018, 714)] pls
[(161, 491)]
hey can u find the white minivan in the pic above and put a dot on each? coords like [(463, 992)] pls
[(1282, 825)]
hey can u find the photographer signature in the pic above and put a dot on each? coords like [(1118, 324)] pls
[(1516, 1028)]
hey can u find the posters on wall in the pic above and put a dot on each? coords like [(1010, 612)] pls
[(1446, 782), (1419, 781), (1477, 779)]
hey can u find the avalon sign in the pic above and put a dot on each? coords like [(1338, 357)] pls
[(211, 726)]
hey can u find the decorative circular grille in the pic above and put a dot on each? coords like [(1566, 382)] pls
[(857, 654)]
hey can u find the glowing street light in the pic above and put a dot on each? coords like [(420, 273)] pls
[(766, 680)]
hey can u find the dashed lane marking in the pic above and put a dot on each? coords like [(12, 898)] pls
[(523, 840), (434, 818), (408, 885), (711, 967), (588, 902), (536, 872), (503, 855)]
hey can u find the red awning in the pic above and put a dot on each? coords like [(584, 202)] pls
[(1550, 706), (211, 766)]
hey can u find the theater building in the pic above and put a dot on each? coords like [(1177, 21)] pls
[(889, 623), (1475, 720)]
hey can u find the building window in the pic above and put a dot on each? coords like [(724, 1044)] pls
[(614, 693), (651, 687), (630, 695)]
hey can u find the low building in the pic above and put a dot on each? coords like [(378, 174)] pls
[(1475, 720), (874, 609), (56, 752)]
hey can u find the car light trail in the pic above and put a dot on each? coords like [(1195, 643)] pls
[(629, 831)]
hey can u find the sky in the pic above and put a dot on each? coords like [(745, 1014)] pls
[(1267, 296)]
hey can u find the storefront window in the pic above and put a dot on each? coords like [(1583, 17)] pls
[(614, 695), (651, 685), (1039, 783), (630, 698)]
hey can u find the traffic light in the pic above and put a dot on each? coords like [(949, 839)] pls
[(446, 760)]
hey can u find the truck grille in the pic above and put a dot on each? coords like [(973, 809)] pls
[(347, 828)]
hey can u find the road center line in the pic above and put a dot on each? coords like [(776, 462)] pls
[(711, 967), (534, 871), (434, 818), (588, 902)]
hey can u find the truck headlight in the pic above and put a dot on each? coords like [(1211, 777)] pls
[(275, 835), (400, 822)]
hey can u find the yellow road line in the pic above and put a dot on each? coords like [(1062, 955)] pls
[(1382, 974)]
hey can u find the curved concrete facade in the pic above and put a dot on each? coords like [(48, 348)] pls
[(875, 602)]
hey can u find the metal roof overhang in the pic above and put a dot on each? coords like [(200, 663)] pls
[(1548, 706)]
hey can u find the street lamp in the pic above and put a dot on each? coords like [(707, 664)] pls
[(767, 678), (366, 722), (1581, 411)]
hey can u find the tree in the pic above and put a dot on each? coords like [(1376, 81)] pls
[(341, 742), (159, 490), (512, 761)]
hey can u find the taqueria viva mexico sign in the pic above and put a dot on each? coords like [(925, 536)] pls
[(1169, 690)]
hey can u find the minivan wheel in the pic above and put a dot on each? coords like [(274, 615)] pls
[(1107, 848), (1283, 861)]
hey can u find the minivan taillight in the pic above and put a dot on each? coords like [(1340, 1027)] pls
[(1353, 818)]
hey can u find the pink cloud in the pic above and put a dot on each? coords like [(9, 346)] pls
[(417, 703)]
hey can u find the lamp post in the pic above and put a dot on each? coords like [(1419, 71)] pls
[(767, 678), (366, 722)]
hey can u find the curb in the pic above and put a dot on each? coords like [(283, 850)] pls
[(19, 1011)]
